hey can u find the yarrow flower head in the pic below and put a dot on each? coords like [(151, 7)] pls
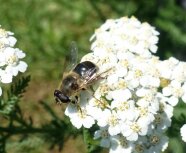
[(10, 58), (133, 104)]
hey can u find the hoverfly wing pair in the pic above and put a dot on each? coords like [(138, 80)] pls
[(71, 57), (76, 77)]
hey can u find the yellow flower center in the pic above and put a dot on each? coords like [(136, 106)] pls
[(123, 141), (122, 84), (161, 107), (104, 88), (124, 63), (164, 82), (12, 60), (143, 111), (154, 139), (139, 148), (3, 33), (158, 119), (123, 106), (133, 40), (113, 120), (104, 134), (178, 92), (101, 103), (2, 45), (123, 36), (135, 127), (82, 113), (138, 73)]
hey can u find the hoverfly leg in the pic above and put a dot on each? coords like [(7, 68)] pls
[(77, 104), (57, 101), (98, 76), (92, 94), (75, 101)]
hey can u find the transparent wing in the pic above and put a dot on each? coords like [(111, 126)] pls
[(90, 80), (89, 73), (72, 58)]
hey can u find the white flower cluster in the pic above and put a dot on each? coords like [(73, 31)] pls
[(133, 104), (10, 63)]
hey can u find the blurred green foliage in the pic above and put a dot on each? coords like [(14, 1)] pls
[(45, 28)]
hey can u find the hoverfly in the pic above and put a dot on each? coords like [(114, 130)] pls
[(79, 78)]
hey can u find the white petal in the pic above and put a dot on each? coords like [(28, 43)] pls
[(121, 72), (114, 130), (133, 137), (167, 91), (121, 95), (97, 134), (155, 82), (5, 77), (88, 122), (112, 79), (20, 53), (126, 131), (102, 121), (105, 143), (142, 92), (173, 101), (183, 132), (176, 84), (12, 41), (77, 122), (153, 48), (22, 66), (70, 110)]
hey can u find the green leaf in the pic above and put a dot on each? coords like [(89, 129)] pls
[(91, 144), (19, 87), (176, 146)]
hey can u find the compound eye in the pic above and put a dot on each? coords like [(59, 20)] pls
[(56, 92), (60, 96)]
